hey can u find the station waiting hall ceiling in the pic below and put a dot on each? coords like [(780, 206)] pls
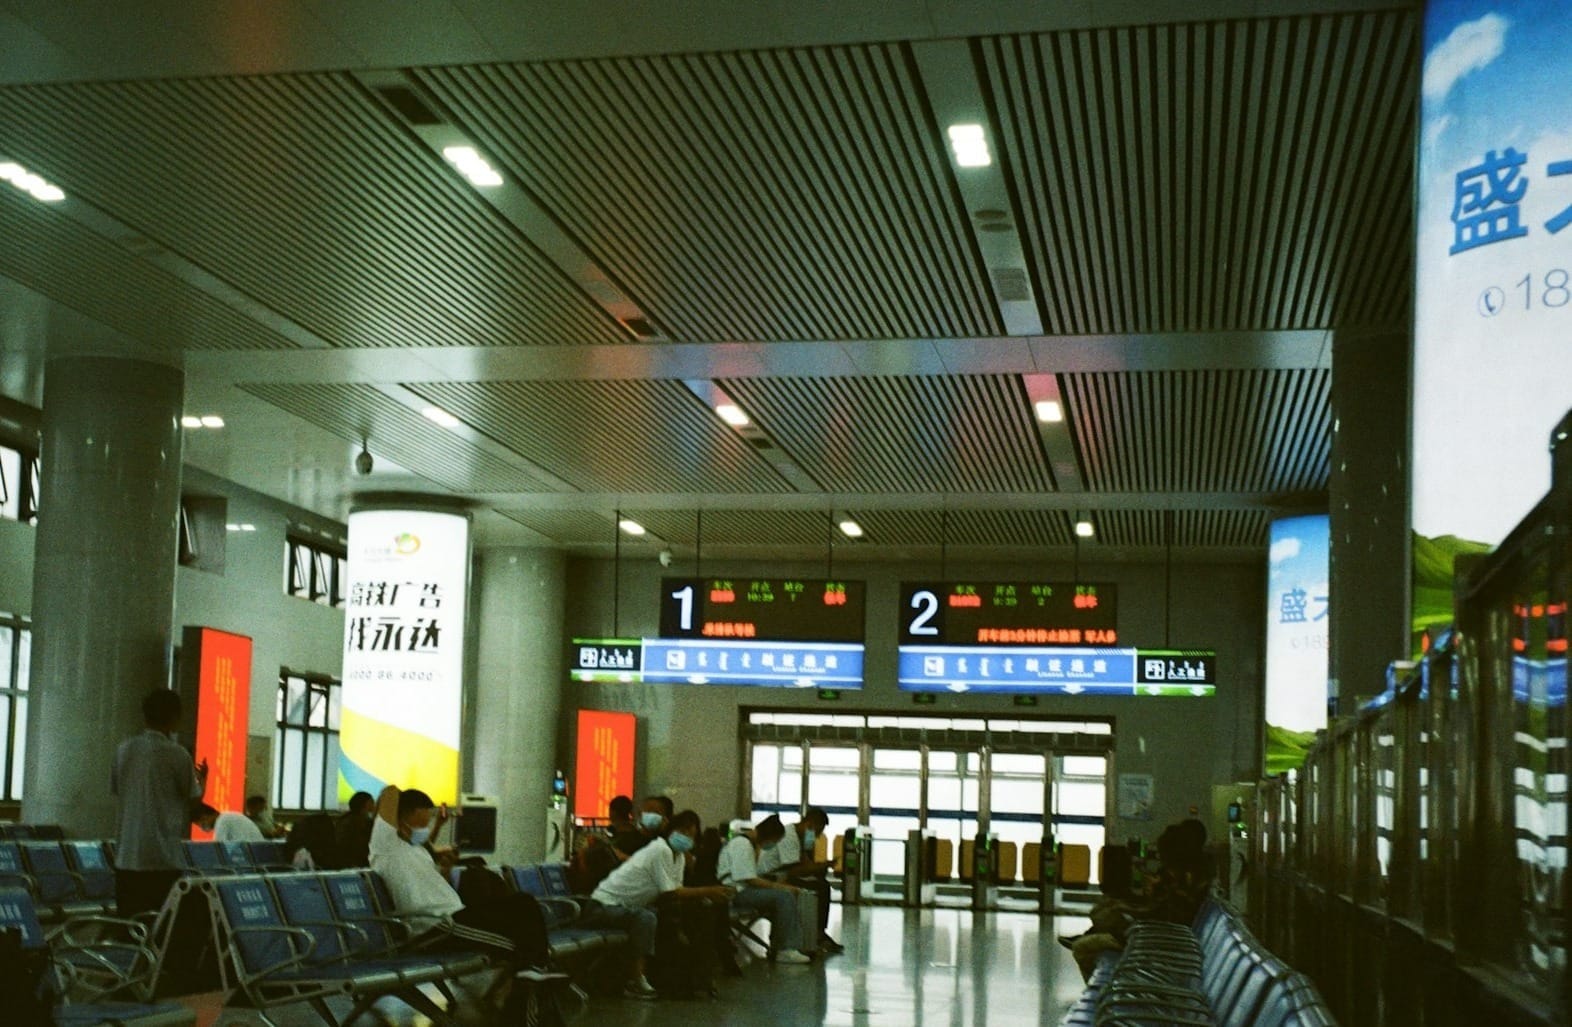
[(1125, 315)]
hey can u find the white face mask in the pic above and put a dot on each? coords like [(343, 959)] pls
[(419, 835)]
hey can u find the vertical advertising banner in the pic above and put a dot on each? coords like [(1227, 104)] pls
[(404, 652), (603, 768), (221, 665), (1298, 601), (1493, 297)]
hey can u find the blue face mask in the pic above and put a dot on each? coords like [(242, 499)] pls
[(651, 821), (680, 842), (809, 836), (419, 835)]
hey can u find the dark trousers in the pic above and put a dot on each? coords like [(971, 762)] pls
[(142, 891), (510, 926), (820, 888)]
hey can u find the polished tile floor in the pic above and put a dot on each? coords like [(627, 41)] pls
[(932, 966)]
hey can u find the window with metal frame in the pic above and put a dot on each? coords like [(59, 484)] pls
[(305, 741), (18, 485), (316, 572), (16, 652)]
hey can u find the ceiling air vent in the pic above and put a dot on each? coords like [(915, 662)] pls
[(639, 326), (1010, 284), (409, 106)]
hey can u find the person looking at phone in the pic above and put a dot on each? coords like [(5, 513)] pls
[(155, 782), (627, 897)]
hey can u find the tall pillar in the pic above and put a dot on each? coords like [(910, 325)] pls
[(519, 672), (103, 577), (1369, 511)]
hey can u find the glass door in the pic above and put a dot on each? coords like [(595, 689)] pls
[(777, 780), (894, 801), (1080, 803), (1015, 805)]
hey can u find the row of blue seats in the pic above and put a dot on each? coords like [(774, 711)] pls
[(1212, 972), (71, 878), (27, 832)]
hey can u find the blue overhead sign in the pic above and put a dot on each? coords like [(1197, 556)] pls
[(1059, 671), (702, 661)]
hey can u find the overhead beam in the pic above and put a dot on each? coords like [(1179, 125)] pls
[(865, 502)]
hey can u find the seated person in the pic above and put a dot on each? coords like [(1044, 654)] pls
[(235, 827), (256, 809), (738, 867), (792, 861), (619, 816), (310, 843), (510, 926), (627, 897), (352, 832), (654, 814)]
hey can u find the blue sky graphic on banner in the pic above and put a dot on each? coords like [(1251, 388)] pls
[(1298, 604), (1493, 304)]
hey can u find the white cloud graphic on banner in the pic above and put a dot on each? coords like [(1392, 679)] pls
[(1471, 46)]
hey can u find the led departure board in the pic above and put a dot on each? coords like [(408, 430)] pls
[(769, 632), (1033, 637), (1006, 613)]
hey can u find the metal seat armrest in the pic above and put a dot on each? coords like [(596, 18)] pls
[(134, 926), (284, 964)]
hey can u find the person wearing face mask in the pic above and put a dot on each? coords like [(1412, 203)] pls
[(774, 900), (155, 782), (510, 926), (792, 861), (628, 896)]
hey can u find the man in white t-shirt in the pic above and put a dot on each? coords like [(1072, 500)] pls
[(738, 867), (235, 827), (510, 926), (627, 897), (792, 861)]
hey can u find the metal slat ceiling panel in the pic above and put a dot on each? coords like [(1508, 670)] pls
[(1203, 431), (1028, 528), (739, 527), (957, 434), (1213, 176), (302, 193), (634, 436), (1192, 529), (569, 527), (787, 194), (357, 412), (49, 252)]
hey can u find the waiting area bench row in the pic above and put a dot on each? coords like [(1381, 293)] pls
[(1211, 972)]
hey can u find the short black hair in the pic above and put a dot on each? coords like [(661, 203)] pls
[(686, 819), (817, 815), (621, 807), (668, 808), (413, 799), (360, 802), (160, 706), (770, 829), (256, 800), (200, 810)]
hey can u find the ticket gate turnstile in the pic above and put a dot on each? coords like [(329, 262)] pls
[(1047, 876), (918, 887), (857, 866), (985, 872)]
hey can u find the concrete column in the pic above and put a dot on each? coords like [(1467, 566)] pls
[(103, 577), (519, 673), (1369, 511)]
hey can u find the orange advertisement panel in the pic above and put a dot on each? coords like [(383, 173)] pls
[(222, 663), (604, 768)]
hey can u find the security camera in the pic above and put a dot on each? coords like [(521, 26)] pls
[(665, 557), (363, 461)]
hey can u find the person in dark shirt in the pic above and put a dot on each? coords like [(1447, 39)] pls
[(352, 832), (654, 814)]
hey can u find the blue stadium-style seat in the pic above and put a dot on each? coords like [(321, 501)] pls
[(205, 858), (92, 866), (13, 873), (237, 856), (268, 855), (555, 877), (55, 884)]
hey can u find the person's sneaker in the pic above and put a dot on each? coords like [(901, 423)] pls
[(831, 946), (792, 958), (640, 989), (1069, 940)]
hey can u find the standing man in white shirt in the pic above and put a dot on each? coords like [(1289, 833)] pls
[(627, 897), (156, 783), (776, 902), (792, 861), (510, 926)]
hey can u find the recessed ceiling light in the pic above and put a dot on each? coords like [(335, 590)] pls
[(212, 421), (1049, 411), (732, 414), (248, 527), (970, 146), (441, 416), (851, 529), (191, 422), (1085, 529), (472, 166), (231, 527), (631, 527), (30, 183)]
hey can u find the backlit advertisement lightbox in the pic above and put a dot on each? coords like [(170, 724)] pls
[(1297, 617)]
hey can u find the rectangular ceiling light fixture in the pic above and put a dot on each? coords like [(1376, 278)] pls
[(1049, 411), (33, 185), (631, 527), (472, 166), (851, 529), (970, 146), (732, 414), (1084, 528), (205, 421), (441, 417)]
